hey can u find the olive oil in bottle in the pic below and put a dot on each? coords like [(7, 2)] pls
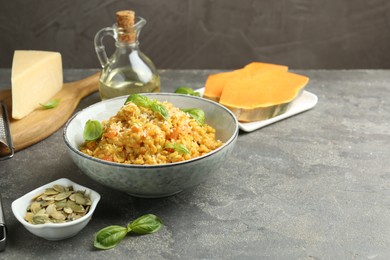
[(125, 81)]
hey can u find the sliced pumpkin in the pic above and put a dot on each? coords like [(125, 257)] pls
[(261, 96), (216, 82), (265, 66)]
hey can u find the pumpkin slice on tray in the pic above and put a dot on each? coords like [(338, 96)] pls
[(254, 66), (216, 82), (263, 95)]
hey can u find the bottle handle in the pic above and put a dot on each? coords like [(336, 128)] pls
[(99, 46)]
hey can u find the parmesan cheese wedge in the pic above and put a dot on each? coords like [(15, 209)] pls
[(36, 78)]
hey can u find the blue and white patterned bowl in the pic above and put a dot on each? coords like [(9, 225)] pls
[(153, 181)]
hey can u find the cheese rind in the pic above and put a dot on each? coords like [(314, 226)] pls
[(36, 78)]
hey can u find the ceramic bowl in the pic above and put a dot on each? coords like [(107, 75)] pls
[(153, 181), (54, 231)]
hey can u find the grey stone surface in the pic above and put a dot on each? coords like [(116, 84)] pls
[(314, 186)]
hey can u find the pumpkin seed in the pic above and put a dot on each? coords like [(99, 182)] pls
[(35, 207), (80, 199), (58, 215), (46, 197), (63, 195), (58, 188), (76, 217), (51, 209), (47, 203), (78, 208), (50, 191), (68, 210), (58, 204), (29, 217), (40, 219), (61, 204)]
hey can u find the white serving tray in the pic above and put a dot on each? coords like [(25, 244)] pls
[(304, 102)]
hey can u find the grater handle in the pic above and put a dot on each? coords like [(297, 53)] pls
[(3, 228), (6, 146)]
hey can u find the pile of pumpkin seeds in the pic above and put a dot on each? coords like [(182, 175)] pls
[(58, 204)]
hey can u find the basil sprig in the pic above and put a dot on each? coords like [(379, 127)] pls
[(181, 148), (93, 130), (111, 236), (187, 91), (146, 102), (195, 113), (51, 103)]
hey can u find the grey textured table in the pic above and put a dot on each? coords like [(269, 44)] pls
[(314, 186)]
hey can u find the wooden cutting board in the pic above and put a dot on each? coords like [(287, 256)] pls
[(42, 123)]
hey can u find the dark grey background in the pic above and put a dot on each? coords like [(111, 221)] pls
[(200, 34)]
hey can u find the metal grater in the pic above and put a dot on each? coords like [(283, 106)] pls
[(3, 229), (6, 146)]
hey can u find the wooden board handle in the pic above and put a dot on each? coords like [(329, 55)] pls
[(42, 123)]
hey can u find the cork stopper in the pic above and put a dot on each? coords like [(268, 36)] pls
[(125, 20)]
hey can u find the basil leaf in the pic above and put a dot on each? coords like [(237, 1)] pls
[(181, 148), (146, 224), (187, 91), (156, 107), (144, 101), (195, 113), (93, 130), (51, 104), (139, 100), (109, 237)]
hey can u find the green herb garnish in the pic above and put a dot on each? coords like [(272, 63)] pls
[(156, 107), (111, 236), (195, 113), (51, 104), (181, 148), (187, 91), (93, 130), (146, 102), (146, 224), (139, 100)]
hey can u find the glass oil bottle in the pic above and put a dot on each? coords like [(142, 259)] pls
[(128, 70)]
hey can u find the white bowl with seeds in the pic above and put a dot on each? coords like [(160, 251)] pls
[(57, 210)]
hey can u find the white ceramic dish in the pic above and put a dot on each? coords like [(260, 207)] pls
[(304, 102), (54, 231)]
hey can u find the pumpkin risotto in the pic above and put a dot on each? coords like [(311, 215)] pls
[(141, 135)]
